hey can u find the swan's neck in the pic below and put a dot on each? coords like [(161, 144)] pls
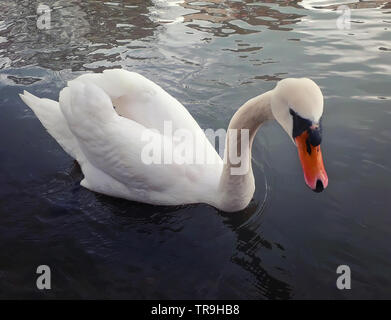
[(237, 180)]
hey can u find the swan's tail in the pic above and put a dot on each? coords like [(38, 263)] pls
[(49, 114)]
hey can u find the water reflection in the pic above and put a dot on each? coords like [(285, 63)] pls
[(80, 32), (251, 248), (237, 17), (381, 4), (83, 32)]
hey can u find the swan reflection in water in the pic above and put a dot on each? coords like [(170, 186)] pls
[(238, 239)]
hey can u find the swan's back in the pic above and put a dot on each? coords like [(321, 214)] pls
[(140, 99)]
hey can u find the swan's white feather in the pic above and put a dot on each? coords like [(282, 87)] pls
[(50, 115), (138, 98), (108, 146)]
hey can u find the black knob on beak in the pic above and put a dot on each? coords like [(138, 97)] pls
[(315, 135)]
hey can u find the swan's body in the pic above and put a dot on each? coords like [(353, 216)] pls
[(108, 143)]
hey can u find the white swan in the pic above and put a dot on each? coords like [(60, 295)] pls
[(108, 142)]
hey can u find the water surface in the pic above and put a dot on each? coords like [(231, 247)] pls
[(212, 55)]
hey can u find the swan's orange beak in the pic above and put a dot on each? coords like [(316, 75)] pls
[(311, 160)]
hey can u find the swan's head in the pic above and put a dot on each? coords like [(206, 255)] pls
[(297, 105)]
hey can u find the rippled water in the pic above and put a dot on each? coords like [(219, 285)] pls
[(212, 55)]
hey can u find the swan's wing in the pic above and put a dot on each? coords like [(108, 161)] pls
[(137, 98), (113, 145), (143, 101), (49, 114)]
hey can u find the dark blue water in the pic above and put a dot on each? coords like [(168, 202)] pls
[(212, 56)]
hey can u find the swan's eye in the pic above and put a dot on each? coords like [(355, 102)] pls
[(300, 125)]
